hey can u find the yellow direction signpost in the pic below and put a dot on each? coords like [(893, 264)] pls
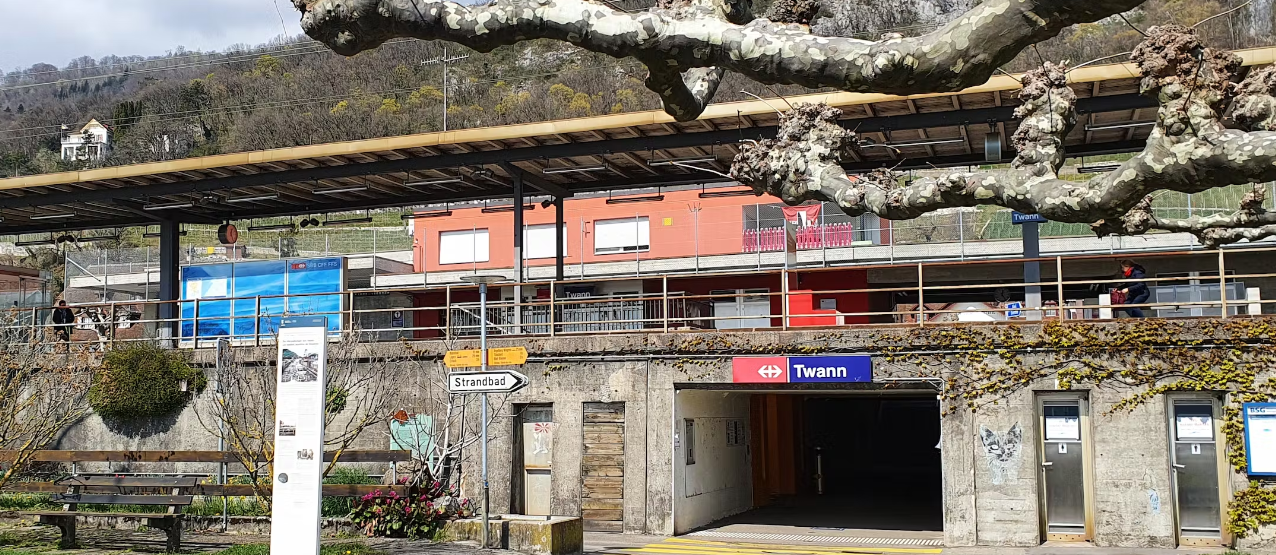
[(507, 356), (463, 359), (504, 356)]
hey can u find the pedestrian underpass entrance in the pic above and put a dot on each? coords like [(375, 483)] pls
[(835, 464)]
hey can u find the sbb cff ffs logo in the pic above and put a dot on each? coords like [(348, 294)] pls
[(315, 265), (760, 370), (770, 371)]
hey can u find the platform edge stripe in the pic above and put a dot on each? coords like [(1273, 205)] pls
[(767, 549), (706, 550), (825, 539), (803, 548)]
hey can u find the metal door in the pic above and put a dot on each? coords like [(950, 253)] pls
[(1064, 469), (538, 455), (750, 308), (1195, 460)]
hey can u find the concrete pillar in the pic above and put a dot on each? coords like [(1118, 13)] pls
[(519, 273), (517, 177), (559, 231), (169, 280), (1032, 270)]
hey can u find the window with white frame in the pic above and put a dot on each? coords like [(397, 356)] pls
[(538, 241), (623, 235), (462, 247)]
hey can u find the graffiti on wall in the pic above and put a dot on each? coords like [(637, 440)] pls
[(1002, 451)]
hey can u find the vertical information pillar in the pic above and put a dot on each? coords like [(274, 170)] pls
[(299, 407)]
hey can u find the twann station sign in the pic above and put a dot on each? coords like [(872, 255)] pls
[(818, 369)]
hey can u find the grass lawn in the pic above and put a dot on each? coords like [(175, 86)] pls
[(262, 549), (255, 549)]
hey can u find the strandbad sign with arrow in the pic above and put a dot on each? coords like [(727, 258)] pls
[(504, 381)]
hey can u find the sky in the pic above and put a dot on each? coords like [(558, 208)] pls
[(35, 32)]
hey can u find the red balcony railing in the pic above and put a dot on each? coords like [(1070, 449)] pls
[(771, 239)]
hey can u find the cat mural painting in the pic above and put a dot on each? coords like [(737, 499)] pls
[(1002, 453)]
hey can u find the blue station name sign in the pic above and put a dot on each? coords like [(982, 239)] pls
[(812, 369)]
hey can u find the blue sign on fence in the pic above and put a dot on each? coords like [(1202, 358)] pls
[(826, 369), (1017, 309), (1260, 438), (1020, 218)]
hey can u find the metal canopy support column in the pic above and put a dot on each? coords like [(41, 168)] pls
[(1032, 270), (559, 237), (169, 284), (519, 231)]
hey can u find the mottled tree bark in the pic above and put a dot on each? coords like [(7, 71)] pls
[(674, 40)]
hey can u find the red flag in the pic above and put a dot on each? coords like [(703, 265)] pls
[(803, 215)]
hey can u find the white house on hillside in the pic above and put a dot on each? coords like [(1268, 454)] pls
[(92, 142)]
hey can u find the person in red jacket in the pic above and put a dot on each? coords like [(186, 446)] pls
[(1136, 292)]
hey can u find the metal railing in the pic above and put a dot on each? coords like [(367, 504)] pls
[(1072, 292), (616, 313)]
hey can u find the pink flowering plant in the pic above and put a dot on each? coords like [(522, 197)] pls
[(419, 514)]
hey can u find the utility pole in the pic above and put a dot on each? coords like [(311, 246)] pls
[(445, 61), (483, 282)]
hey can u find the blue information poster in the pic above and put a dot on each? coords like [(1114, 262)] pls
[(1260, 438), (264, 291)]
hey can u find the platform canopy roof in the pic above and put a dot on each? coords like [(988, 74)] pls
[(615, 152)]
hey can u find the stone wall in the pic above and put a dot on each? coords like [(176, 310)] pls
[(990, 498)]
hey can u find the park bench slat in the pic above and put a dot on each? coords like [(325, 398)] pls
[(215, 490), (131, 481), (353, 455), (94, 513), (119, 499)]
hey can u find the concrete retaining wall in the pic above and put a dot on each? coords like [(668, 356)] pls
[(985, 503)]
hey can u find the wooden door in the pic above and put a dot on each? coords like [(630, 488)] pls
[(603, 467)]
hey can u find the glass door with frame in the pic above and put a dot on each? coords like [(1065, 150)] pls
[(1064, 469), (1195, 461)]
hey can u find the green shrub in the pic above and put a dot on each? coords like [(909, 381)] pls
[(341, 506), (141, 380)]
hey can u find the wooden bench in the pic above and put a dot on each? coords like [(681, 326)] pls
[(110, 490)]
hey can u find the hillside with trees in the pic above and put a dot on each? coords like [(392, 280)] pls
[(297, 92)]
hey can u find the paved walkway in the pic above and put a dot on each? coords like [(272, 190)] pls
[(690, 546), (114, 542), (100, 541)]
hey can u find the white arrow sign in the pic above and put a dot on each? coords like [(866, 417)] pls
[(505, 381)]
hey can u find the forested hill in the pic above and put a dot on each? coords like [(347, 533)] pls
[(298, 93)]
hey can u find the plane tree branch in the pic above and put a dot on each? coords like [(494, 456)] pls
[(1189, 150), (679, 36)]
